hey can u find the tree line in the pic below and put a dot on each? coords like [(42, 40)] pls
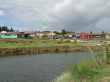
[(7, 29)]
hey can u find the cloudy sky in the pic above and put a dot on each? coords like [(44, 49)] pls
[(73, 15)]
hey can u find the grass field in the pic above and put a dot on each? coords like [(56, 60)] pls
[(18, 43)]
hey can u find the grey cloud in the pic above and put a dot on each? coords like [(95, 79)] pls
[(58, 14)]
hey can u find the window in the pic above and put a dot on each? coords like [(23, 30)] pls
[(7, 34)]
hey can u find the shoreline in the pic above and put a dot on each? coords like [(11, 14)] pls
[(38, 50)]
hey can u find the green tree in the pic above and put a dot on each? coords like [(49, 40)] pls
[(11, 30), (56, 32), (63, 31), (91, 32), (103, 32), (5, 28), (0, 29)]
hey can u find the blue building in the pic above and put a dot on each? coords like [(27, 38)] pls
[(8, 35), (17, 34)]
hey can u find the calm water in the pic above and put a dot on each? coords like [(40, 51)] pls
[(37, 68)]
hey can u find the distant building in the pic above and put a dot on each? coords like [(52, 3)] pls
[(29, 34), (20, 35), (8, 34), (70, 35), (83, 35), (98, 36), (45, 34), (5, 34), (107, 36), (39, 34), (90, 36)]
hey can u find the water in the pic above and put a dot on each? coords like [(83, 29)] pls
[(37, 68)]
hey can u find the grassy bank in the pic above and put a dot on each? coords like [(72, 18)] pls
[(95, 70), (86, 72), (37, 50), (23, 46)]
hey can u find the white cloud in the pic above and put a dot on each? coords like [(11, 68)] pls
[(2, 13), (77, 14)]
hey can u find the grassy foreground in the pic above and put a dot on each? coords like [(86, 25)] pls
[(95, 70), (86, 72)]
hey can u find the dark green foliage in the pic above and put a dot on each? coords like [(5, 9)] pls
[(0, 28), (5, 28), (91, 32), (103, 32), (63, 31), (56, 32), (11, 30)]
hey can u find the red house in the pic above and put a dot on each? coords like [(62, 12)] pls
[(84, 36), (97, 36)]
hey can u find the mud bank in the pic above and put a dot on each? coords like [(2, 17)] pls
[(37, 50)]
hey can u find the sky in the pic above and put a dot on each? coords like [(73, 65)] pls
[(72, 15)]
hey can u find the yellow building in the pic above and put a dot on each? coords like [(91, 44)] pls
[(107, 36)]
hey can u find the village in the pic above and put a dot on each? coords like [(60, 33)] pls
[(55, 35)]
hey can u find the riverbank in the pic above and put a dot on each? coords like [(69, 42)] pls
[(37, 50), (30, 46)]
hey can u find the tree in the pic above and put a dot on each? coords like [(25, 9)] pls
[(4, 28), (11, 30), (56, 32), (91, 32), (103, 32), (0, 29), (63, 31)]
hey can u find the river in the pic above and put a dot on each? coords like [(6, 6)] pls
[(37, 68)]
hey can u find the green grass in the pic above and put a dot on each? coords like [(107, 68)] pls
[(18, 43), (85, 73)]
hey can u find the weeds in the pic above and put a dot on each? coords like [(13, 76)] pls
[(85, 72)]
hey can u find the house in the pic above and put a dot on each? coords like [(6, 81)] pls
[(30, 34), (83, 35), (70, 35), (45, 34), (97, 36), (107, 36), (5, 34), (39, 34), (20, 35), (26, 34), (51, 35)]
